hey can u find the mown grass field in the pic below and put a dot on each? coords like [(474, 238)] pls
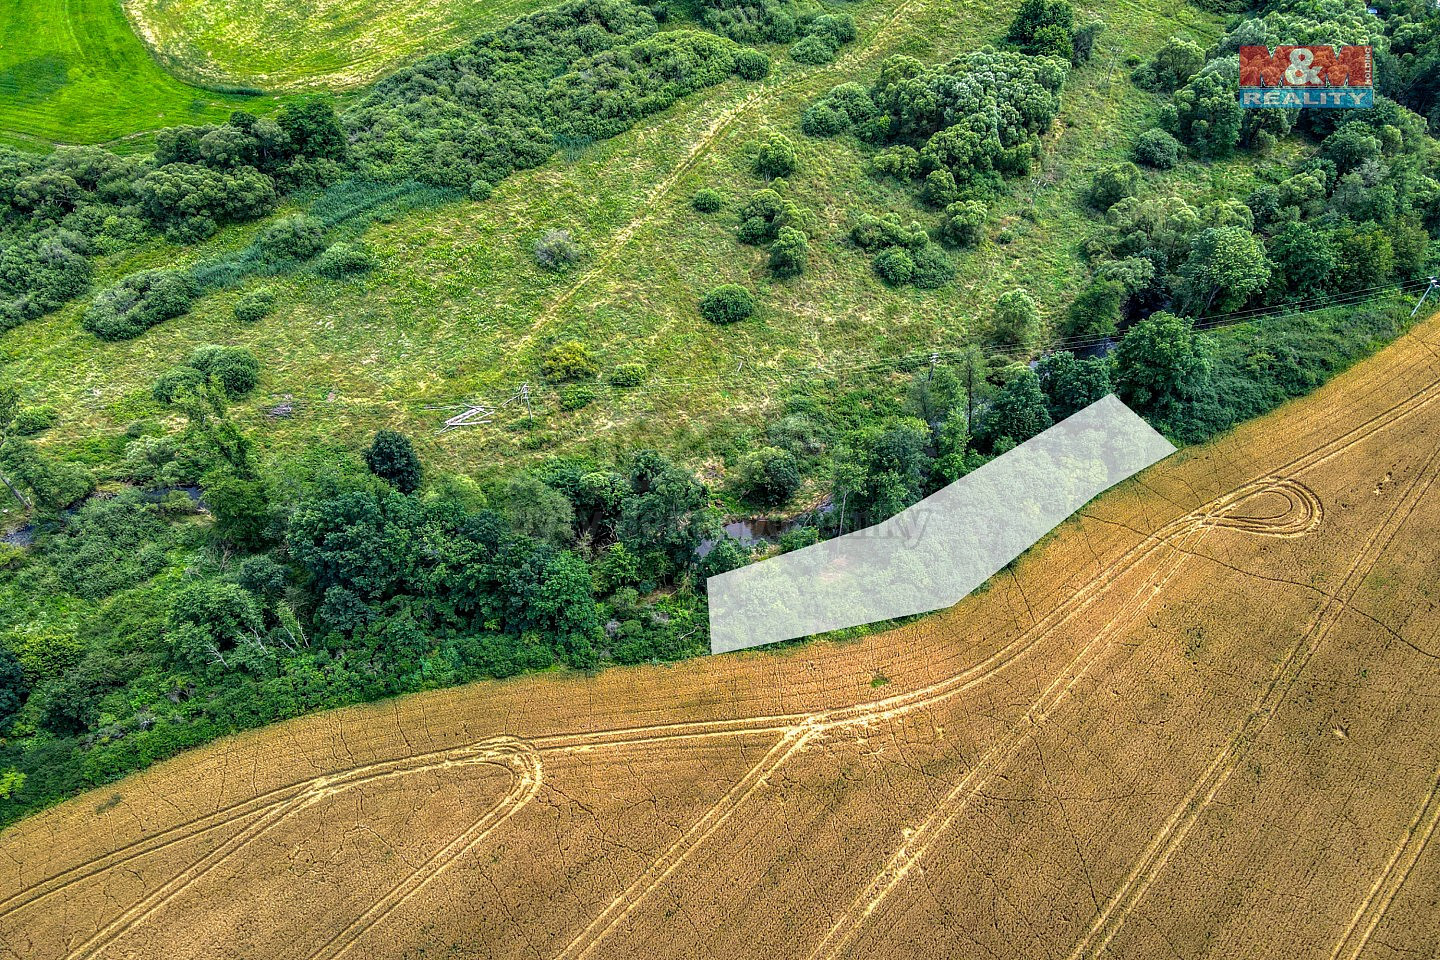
[(459, 310), (288, 45), (73, 71)]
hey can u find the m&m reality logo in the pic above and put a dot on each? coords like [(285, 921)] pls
[(1307, 76)]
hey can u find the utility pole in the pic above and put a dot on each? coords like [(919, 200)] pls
[(1434, 282), (934, 359), (525, 392)]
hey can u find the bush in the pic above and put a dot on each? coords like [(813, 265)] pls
[(727, 303), (291, 238), (138, 302), (255, 306), (1156, 148), (1112, 184), (817, 48), (933, 268), (1016, 321), (342, 260), (568, 361), (392, 458), (901, 162), (33, 420), (763, 215), (939, 189), (790, 253), (628, 375), (751, 64), (556, 250), (776, 157), (964, 223), (575, 396), (234, 369), (481, 190), (707, 200), (769, 476), (895, 266), (872, 233)]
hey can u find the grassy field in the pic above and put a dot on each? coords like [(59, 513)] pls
[(289, 45), (1215, 678), (73, 71), (459, 310)]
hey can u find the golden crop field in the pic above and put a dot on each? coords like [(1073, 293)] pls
[(1196, 722)]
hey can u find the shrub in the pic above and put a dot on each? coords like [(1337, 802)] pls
[(895, 266), (33, 420), (964, 223), (1156, 148), (234, 369), (568, 361), (556, 250), (392, 458), (1016, 321), (344, 259), (628, 375), (727, 303), (138, 302), (901, 162), (575, 396), (815, 49), (1083, 44), (872, 233), (789, 253), (751, 64), (933, 268), (939, 189), (763, 215), (1112, 184), (769, 476), (707, 200), (776, 157), (291, 238), (255, 306), (481, 189)]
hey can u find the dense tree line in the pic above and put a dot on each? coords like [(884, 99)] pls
[(1359, 210)]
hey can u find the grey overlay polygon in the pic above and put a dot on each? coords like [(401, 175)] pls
[(932, 554)]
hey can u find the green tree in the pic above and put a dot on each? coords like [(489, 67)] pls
[(210, 621), (1015, 321), (776, 157), (769, 476), (1094, 314), (1018, 412), (1207, 114), (1161, 362), (1071, 384), (727, 303), (789, 253), (241, 508), (392, 458), (537, 510), (1227, 266)]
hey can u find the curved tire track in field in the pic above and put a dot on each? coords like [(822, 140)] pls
[(501, 750), (1397, 869), (527, 776), (1162, 847), (1302, 514)]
